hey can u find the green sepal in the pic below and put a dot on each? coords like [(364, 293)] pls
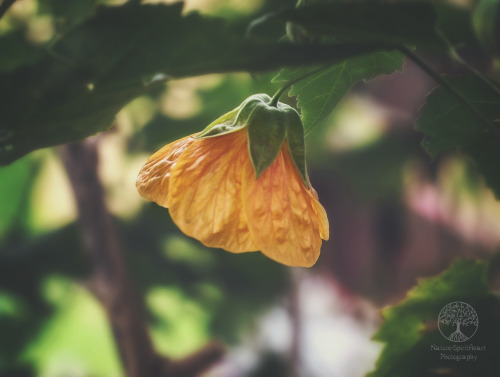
[(268, 127), (234, 120), (266, 133), (296, 142), (223, 124)]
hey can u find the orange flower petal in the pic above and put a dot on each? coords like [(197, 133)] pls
[(205, 192), (154, 178), (210, 187), (285, 220), (324, 226)]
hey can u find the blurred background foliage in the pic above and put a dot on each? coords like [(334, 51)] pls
[(394, 216)]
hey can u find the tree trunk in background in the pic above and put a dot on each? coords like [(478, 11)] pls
[(110, 281)]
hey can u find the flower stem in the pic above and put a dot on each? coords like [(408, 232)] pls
[(464, 101), (284, 88), (277, 95)]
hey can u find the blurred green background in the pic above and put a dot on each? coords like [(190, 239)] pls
[(394, 216)]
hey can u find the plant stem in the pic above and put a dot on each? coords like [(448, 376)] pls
[(284, 88), (485, 121), (278, 94)]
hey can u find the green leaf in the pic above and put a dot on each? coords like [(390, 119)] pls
[(447, 124), (66, 14), (374, 22), (410, 330), (320, 93), (94, 69), (17, 51)]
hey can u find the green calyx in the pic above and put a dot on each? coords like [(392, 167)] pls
[(268, 127)]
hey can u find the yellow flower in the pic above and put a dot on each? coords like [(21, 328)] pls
[(210, 187)]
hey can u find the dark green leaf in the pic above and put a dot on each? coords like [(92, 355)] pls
[(410, 331), (375, 22), (96, 68), (66, 14), (320, 93), (17, 51), (447, 124)]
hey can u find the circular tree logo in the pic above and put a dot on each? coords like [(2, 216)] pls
[(458, 321)]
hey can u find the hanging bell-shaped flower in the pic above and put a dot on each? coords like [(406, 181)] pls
[(241, 184)]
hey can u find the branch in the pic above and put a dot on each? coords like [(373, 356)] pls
[(455, 56), (110, 281), (464, 101)]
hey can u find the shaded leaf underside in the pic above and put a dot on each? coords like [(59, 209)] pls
[(374, 22), (92, 71)]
